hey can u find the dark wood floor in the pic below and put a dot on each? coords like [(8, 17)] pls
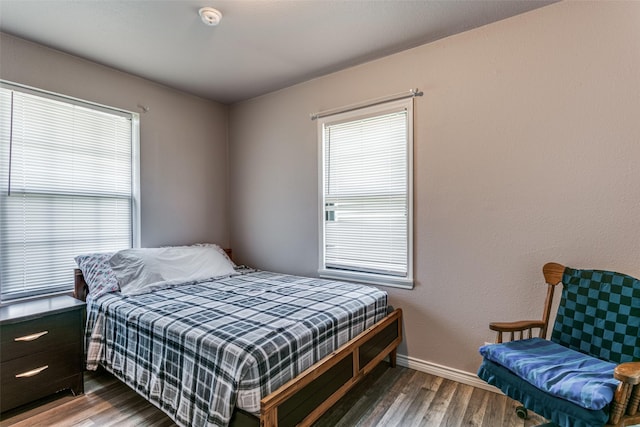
[(387, 397)]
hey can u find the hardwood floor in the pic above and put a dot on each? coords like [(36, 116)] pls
[(388, 397), (404, 397)]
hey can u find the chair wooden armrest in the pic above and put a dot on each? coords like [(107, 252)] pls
[(516, 329), (627, 396), (553, 276), (628, 372)]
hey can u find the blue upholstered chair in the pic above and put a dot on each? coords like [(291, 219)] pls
[(588, 373)]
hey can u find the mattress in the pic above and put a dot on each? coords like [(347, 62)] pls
[(197, 350)]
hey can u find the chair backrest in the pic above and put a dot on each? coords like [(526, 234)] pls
[(599, 314)]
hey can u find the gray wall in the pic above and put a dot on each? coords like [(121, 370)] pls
[(183, 139), (527, 142)]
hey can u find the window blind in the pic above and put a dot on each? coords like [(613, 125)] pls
[(67, 188), (366, 195)]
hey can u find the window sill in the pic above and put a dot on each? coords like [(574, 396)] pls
[(367, 278)]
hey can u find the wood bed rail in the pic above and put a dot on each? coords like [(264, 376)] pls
[(338, 372)]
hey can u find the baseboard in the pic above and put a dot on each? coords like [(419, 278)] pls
[(444, 372)]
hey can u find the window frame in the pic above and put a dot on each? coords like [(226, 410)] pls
[(405, 282), (135, 232)]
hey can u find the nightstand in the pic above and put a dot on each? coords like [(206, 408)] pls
[(41, 349)]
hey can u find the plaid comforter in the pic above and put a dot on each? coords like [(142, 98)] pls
[(199, 349)]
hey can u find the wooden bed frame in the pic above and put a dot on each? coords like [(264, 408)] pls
[(305, 398)]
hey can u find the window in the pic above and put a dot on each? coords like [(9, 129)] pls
[(68, 185), (366, 195)]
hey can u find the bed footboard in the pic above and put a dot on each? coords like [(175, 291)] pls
[(304, 399)]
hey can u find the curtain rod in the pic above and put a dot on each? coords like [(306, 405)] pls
[(412, 93)]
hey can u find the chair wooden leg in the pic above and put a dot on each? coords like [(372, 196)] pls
[(620, 400), (634, 402)]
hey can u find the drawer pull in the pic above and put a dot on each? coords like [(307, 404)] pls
[(32, 372), (31, 337)]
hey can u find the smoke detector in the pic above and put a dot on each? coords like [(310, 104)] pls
[(210, 16)]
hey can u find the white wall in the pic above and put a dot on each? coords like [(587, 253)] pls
[(183, 139), (527, 142)]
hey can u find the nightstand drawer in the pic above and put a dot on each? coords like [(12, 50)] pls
[(33, 336), (37, 375), (41, 349)]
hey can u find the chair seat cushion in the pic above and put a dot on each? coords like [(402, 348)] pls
[(568, 374), (560, 411)]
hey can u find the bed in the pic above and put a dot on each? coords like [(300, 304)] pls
[(243, 348)]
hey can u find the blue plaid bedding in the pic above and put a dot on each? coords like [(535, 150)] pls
[(199, 349), (568, 374)]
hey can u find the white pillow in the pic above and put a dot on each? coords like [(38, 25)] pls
[(138, 270)]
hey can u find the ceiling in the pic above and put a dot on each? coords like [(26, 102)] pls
[(260, 45)]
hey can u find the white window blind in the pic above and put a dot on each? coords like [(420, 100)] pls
[(366, 195), (67, 187)]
